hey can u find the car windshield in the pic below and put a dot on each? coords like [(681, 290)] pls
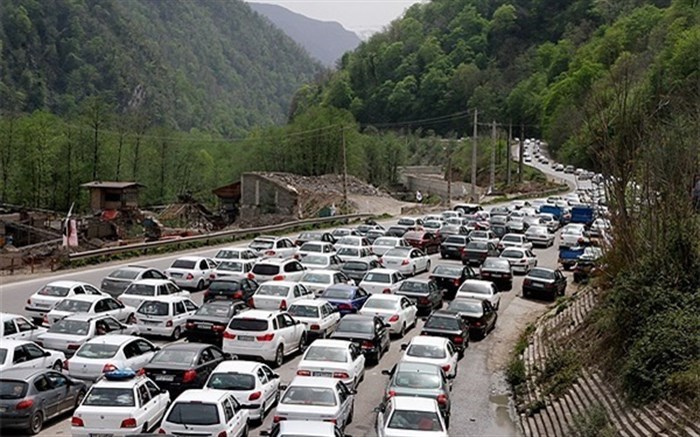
[(455, 240), (348, 241), (398, 253), (141, 290), (97, 350), (110, 397), (193, 413), (381, 278), (266, 269), (478, 234), (426, 351), (124, 274), (248, 325), (333, 293), (477, 245), (447, 323), (230, 266), (475, 288), (52, 290), (381, 304), (227, 254), (272, 290), (261, 244), (174, 356), (184, 264), (448, 271), (74, 327), (316, 278), (73, 306), (508, 253), (10, 389), (355, 266), (231, 381), (226, 285), (154, 308), (415, 286), (385, 242), (464, 306), (414, 379), (315, 260), (303, 311), (320, 396), (215, 310), (359, 326), (495, 263), (311, 247), (541, 273), (349, 251), (323, 353)]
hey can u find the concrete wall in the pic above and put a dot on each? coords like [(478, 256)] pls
[(260, 195), (427, 186)]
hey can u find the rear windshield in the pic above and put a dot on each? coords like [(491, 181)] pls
[(73, 306), (74, 327), (509, 253), (316, 260), (230, 266), (456, 240), (224, 285), (316, 278), (231, 381), (399, 253), (323, 353), (141, 290), (382, 278), (248, 325), (311, 247), (356, 266), (309, 396), (448, 271), (348, 241), (303, 311), (478, 234), (228, 254), (385, 242), (337, 294), (478, 245), (52, 290), (183, 264), (154, 308), (97, 351), (541, 273), (110, 397), (272, 290), (380, 304), (513, 238), (266, 269), (417, 380), (360, 326), (124, 274), (466, 307), (415, 420), (447, 323), (10, 389), (414, 286), (261, 244), (174, 356), (426, 351), (191, 413), (495, 263), (213, 310), (477, 288)]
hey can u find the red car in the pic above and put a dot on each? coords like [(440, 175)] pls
[(426, 241)]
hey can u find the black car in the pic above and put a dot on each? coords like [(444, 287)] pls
[(181, 366), (499, 230), (498, 271), (374, 234), (453, 245), (356, 269), (208, 324), (425, 293), (477, 251), (396, 231), (305, 237), (230, 289), (451, 277), (544, 281), (449, 325), (479, 314), (368, 332)]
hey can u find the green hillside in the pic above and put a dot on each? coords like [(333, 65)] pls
[(214, 65)]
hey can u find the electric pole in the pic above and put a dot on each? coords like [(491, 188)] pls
[(492, 179), (474, 158), (449, 177), (508, 157), (520, 153), (345, 173)]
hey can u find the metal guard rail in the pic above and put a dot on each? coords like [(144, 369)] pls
[(214, 235)]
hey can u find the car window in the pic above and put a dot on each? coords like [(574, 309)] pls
[(152, 389), (288, 321), (78, 290), (89, 289), (131, 350), (56, 379), (216, 354), (23, 325), (179, 308), (101, 306), (189, 305), (268, 372), (144, 394), (8, 328), (143, 347), (203, 265), (297, 291), (450, 349), (228, 410), (111, 324), (33, 352), (342, 392), (261, 376), (42, 384), (112, 304)]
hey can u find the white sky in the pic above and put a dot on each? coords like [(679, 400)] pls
[(355, 15)]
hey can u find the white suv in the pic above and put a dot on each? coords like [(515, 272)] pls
[(206, 412), (277, 270), (165, 316), (270, 335), (191, 271)]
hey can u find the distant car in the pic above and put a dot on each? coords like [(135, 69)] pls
[(435, 350), (315, 236), (383, 244), (235, 254), (144, 289), (315, 248), (573, 235), (208, 323), (316, 399), (107, 353), (319, 316), (191, 272), (452, 246), (427, 241), (480, 289), (278, 295), (32, 396), (477, 251), (451, 277), (165, 316), (277, 270), (480, 316), (348, 299), (234, 269), (316, 281), (230, 289), (407, 260), (322, 262), (355, 241), (449, 325), (117, 281), (382, 281), (365, 228), (540, 236), (183, 366), (338, 359), (397, 231), (498, 271), (468, 208), (266, 246), (544, 281), (16, 327), (514, 240), (203, 412), (450, 229), (90, 304), (348, 253), (521, 260), (41, 302), (397, 312), (368, 332), (22, 354), (356, 269), (342, 232), (424, 293)]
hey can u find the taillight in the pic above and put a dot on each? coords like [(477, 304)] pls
[(141, 372), (315, 327), (218, 328), (391, 393), (229, 336), (527, 281), (302, 372), (266, 337), (446, 367), (251, 303), (212, 276), (189, 277), (251, 276), (340, 375), (128, 423), (238, 295), (386, 291), (270, 253), (442, 399), (278, 419), (190, 325), (109, 367), (405, 262), (423, 300), (161, 431), (367, 344), (222, 434), (458, 340), (278, 278), (456, 282), (29, 301), (189, 376), (23, 405), (73, 347), (169, 324), (344, 306), (394, 318), (283, 305), (333, 421), (65, 364), (76, 421)]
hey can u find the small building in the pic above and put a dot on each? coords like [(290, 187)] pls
[(229, 200), (121, 196)]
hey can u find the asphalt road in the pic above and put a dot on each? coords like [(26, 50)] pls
[(480, 396)]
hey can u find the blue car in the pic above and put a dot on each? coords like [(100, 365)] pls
[(347, 298)]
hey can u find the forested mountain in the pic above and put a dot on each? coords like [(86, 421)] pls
[(214, 65), (324, 40)]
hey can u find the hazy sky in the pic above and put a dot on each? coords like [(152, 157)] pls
[(356, 15)]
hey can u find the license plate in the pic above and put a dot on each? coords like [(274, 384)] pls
[(204, 325), (3, 409), (537, 285), (496, 275), (176, 275), (43, 305), (101, 435), (323, 374), (245, 338), (152, 322), (165, 377)]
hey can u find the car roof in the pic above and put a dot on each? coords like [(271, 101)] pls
[(306, 428), (85, 317), (238, 366), (68, 284), (310, 302), (444, 313), (382, 270), (8, 316), (429, 339), (190, 258), (331, 343), (21, 374), (414, 403), (473, 300), (234, 249), (417, 366), (202, 395), (186, 346), (423, 280), (8, 344), (275, 261), (151, 281), (87, 297), (168, 298), (325, 271), (382, 296), (478, 282), (267, 237), (256, 314), (288, 284), (313, 381), (113, 339), (361, 317), (345, 287), (322, 243)]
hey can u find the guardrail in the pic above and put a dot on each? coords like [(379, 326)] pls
[(213, 236)]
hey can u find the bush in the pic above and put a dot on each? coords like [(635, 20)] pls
[(561, 370), (515, 372), (593, 422)]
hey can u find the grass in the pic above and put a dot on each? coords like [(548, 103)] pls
[(594, 422), (562, 368), (515, 371)]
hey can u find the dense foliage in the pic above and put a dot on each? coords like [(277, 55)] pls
[(213, 65)]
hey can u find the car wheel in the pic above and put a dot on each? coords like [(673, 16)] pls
[(279, 356), (79, 399), (36, 422), (176, 333), (403, 330), (427, 267), (352, 413), (200, 285), (413, 271), (277, 398), (302, 343)]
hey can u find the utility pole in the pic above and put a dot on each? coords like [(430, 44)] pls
[(508, 157), (345, 173), (474, 157), (449, 178), (520, 153), (492, 179)]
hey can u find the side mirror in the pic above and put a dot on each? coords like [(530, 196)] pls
[(450, 376), (264, 432), (248, 406), (229, 357), (379, 409), (352, 392), (386, 372), (156, 349), (387, 325), (283, 386), (275, 376), (404, 346), (163, 391), (47, 353)]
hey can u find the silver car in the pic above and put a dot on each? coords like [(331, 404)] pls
[(317, 399), (116, 282)]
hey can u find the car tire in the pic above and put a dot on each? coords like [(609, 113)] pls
[(427, 267), (36, 423), (176, 333), (302, 343), (57, 366), (79, 399), (200, 285), (279, 356), (413, 271), (402, 333)]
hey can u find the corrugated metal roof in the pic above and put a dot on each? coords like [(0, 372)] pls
[(108, 184)]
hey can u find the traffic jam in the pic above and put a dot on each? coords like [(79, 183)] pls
[(200, 348)]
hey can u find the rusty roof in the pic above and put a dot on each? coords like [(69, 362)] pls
[(111, 184)]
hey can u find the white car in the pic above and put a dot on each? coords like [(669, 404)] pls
[(41, 302), (191, 272), (235, 254), (321, 261), (549, 221), (407, 260), (316, 399), (403, 416), (22, 354), (410, 222), (164, 316), (204, 412), (355, 241), (251, 383), (383, 244), (234, 269), (521, 260), (396, 311), (270, 335), (339, 359), (304, 428), (514, 240), (107, 353), (480, 289), (539, 235), (276, 269), (118, 280), (382, 280), (317, 281), (90, 304), (314, 247), (278, 295), (434, 350), (146, 289), (273, 247), (68, 334), (486, 236), (120, 404), (318, 315), (349, 253), (16, 327), (572, 235)]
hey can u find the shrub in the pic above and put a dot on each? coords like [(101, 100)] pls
[(515, 372), (593, 422)]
